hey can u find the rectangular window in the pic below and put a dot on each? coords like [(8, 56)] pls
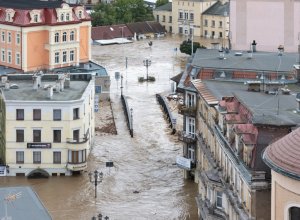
[(64, 57), (72, 55), (76, 135), (75, 113), (37, 115), (3, 36), (18, 59), (20, 157), (205, 22), (20, 114), (180, 15), (220, 24), (180, 30), (164, 18), (157, 18), (191, 16), (219, 200), (9, 60), (8, 37), (77, 156), (56, 59), (56, 136), (19, 135), (37, 136), (170, 19), (186, 15), (220, 34), (18, 38), (3, 55), (36, 156), (213, 23), (56, 114), (57, 157)]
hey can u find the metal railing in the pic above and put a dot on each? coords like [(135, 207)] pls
[(128, 114), (77, 140), (162, 101)]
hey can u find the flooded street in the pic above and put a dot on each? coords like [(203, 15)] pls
[(144, 183)]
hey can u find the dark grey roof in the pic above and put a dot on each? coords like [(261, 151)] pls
[(218, 9), (26, 205), (260, 61), (165, 7), (263, 106), (32, 4)]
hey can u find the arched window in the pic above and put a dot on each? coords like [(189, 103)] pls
[(72, 35), (294, 213), (80, 14), (56, 38), (68, 17), (35, 18), (64, 37), (62, 17)]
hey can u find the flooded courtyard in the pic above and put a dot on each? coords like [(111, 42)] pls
[(145, 182)]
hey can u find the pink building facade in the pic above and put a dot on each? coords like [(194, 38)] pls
[(269, 22)]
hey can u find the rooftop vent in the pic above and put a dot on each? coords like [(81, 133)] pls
[(239, 54), (222, 54), (249, 52)]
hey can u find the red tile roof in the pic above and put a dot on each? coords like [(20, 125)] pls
[(204, 92), (110, 32), (283, 156)]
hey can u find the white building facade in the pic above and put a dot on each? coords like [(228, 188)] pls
[(49, 128)]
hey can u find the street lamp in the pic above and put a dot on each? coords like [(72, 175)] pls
[(121, 85), (99, 217), (97, 179), (147, 63)]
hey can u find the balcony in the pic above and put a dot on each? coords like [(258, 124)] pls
[(77, 166), (187, 138), (77, 144), (187, 110)]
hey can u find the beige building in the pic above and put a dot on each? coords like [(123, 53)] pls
[(163, 15), (48, 123), (283, 158), (215, 22)]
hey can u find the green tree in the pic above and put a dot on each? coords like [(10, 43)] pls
[(161, 2), (120, 12), (185, 47)]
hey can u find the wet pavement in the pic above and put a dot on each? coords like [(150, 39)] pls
[(144, 183)]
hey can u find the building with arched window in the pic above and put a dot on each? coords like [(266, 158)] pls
[(43, 35), (284, 159)]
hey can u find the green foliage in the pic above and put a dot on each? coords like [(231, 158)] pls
[(161, 2), (121, 12), (185, 47)]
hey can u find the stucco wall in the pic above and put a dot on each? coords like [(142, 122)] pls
[(285, 193)]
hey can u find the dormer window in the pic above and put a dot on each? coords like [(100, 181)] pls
[(35, 16), (68, 17), (64, 13), (62, 17), (79, 11), (9, 15)]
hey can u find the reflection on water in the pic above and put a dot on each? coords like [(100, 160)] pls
[(145, 183)]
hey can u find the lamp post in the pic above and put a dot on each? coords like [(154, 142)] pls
[(192, 38), (121, 85), (147, 63), (95, 177)]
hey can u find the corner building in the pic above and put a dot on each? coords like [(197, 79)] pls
[(49, 126), (43, 35)]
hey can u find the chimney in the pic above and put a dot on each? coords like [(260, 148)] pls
[(50, 92), (249, 52), (7, 86), (253, 46), (35, 82)]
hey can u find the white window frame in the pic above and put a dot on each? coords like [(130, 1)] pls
[(72, 55), (56, 57), (64, 36), (18, 38), (56, 37), (219, 196), (3, 36), (72, 35), (191, 153), (64, 57), (190, 99), (3, 55), (9, 37), (190, 126), (18, 58), (9, 56)]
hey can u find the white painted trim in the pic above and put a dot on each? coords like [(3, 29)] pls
[(286, 210)]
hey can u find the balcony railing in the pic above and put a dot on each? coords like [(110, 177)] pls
[(77, 141), (187, 110), (187, 138), (77, 166)]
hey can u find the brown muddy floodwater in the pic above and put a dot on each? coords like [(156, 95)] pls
[(145, 163)]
